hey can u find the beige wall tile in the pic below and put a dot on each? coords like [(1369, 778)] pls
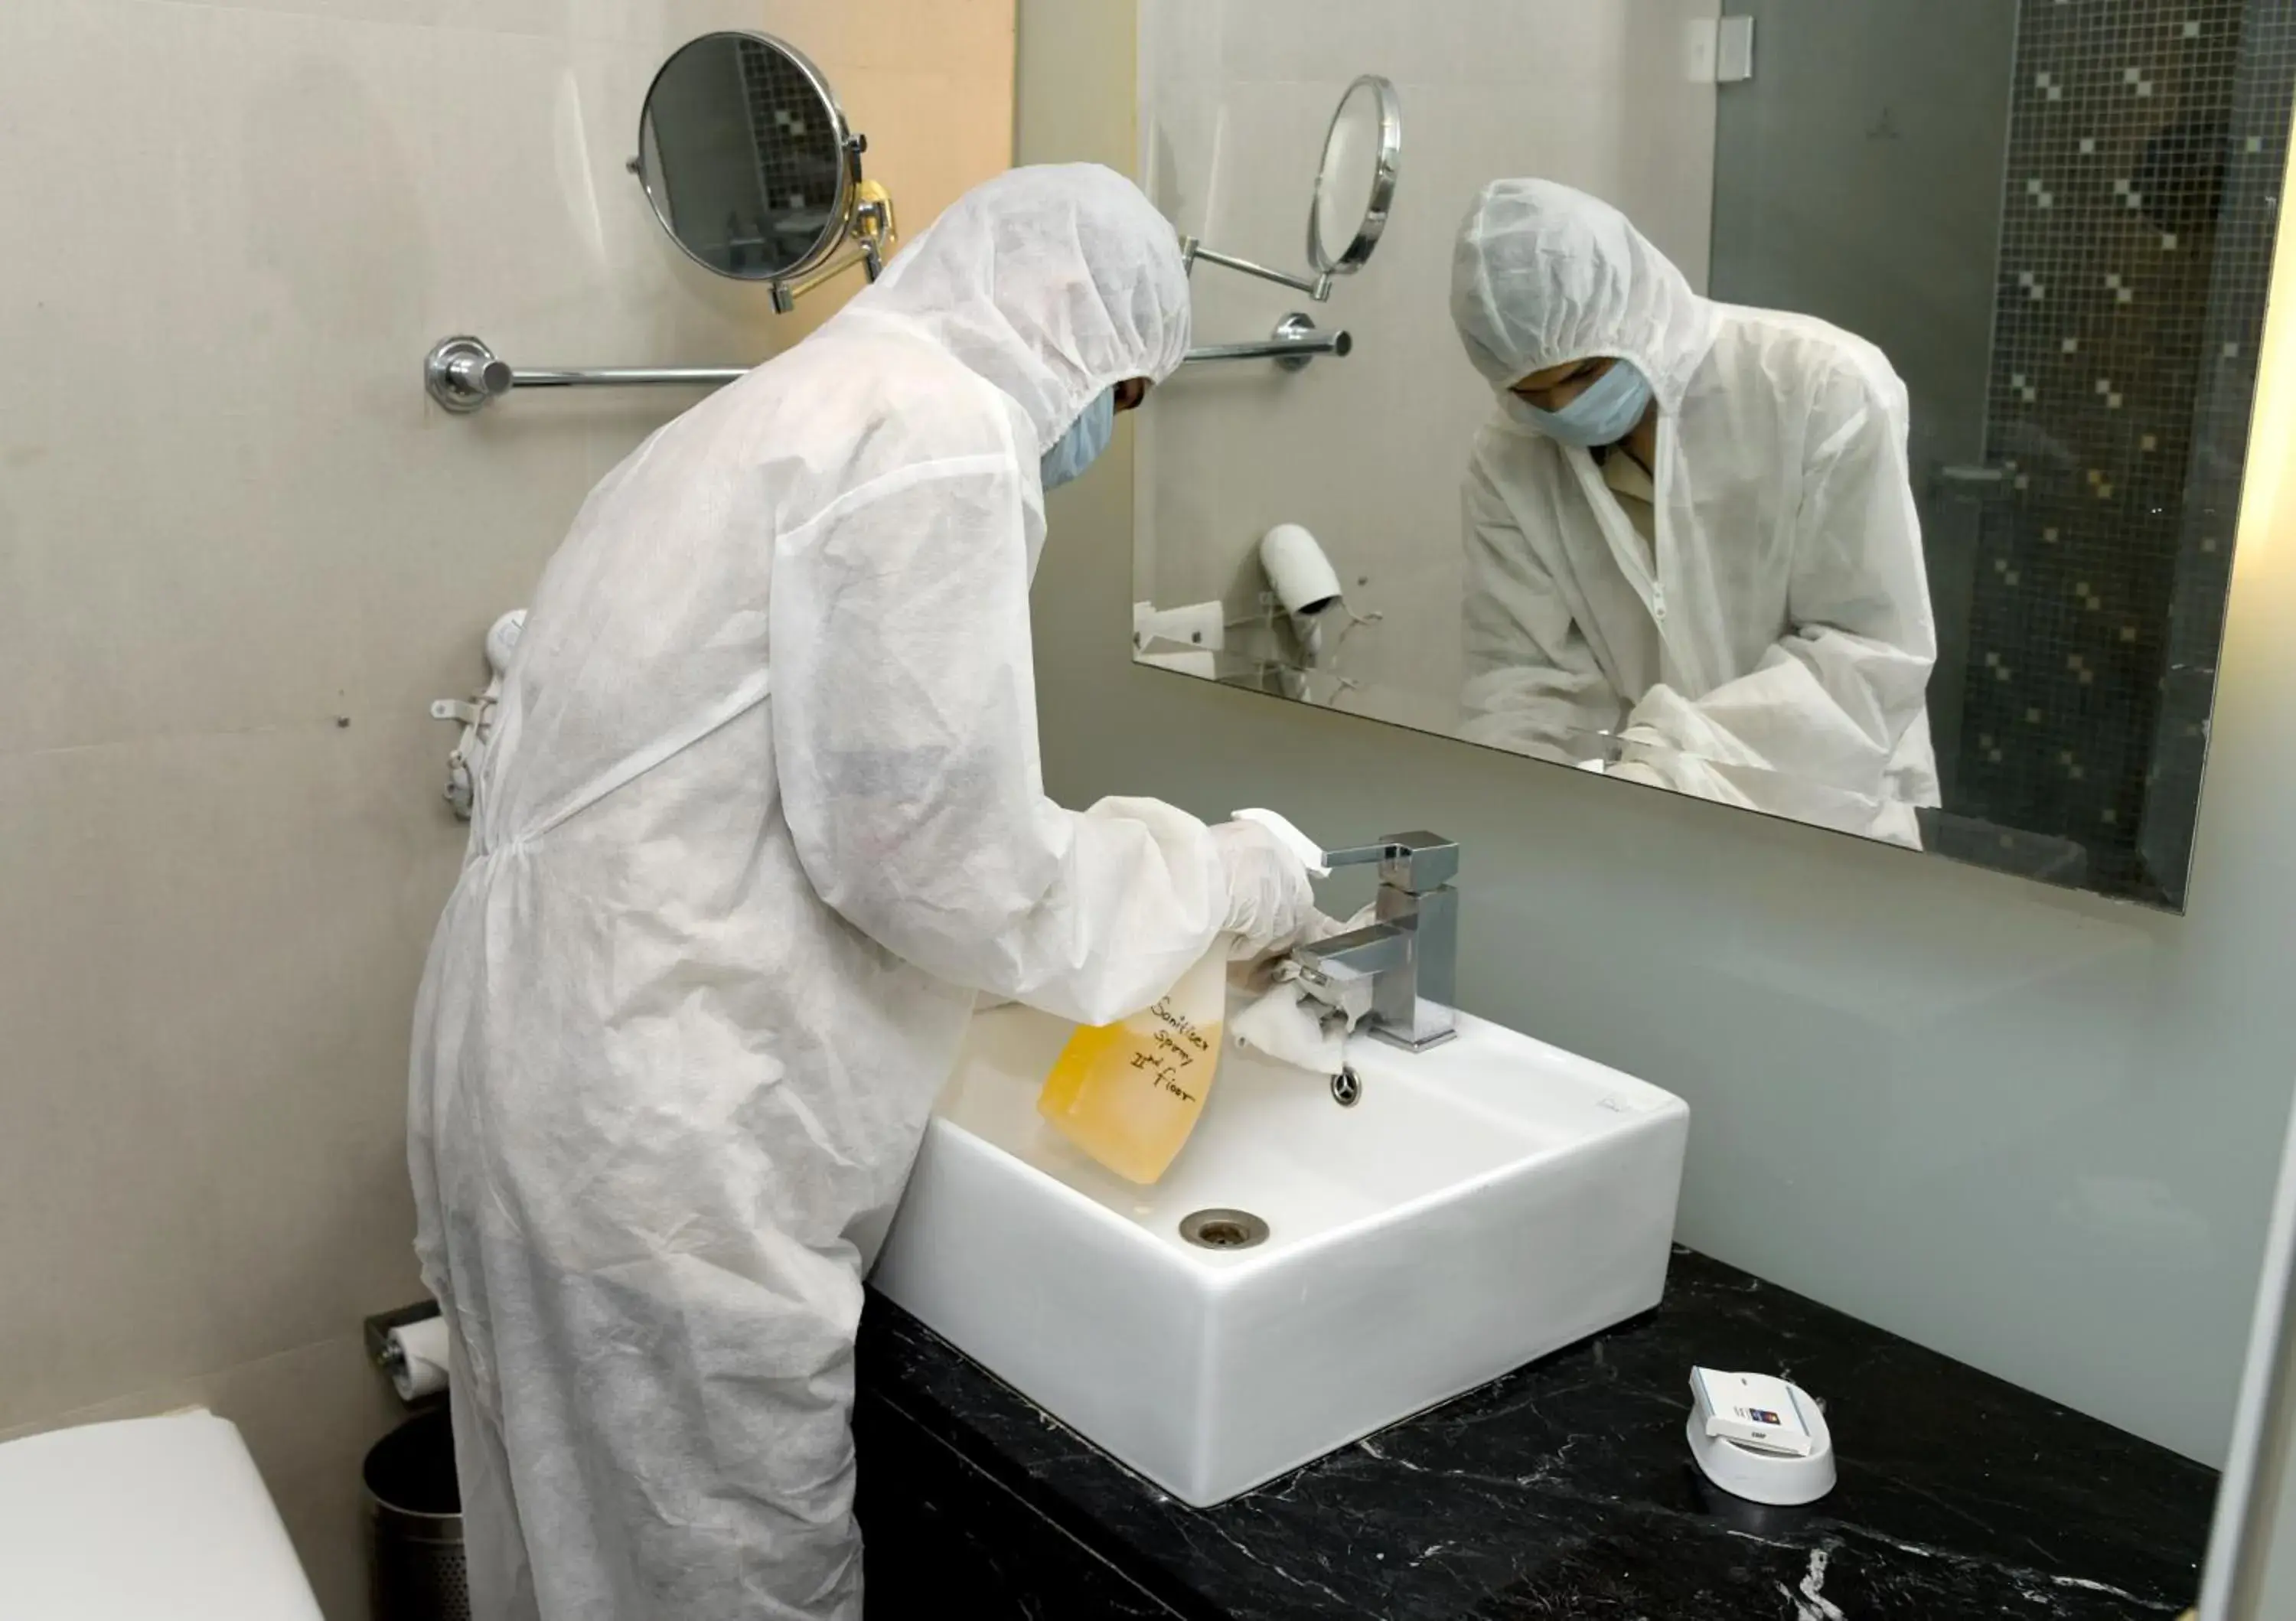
[(228, 520), (205, 986)]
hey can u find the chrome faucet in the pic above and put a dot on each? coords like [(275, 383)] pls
[(1399, 975)]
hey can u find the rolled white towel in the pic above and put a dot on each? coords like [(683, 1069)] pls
[(1292, 1028), (1287, 1024)]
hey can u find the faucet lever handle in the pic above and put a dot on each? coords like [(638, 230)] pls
[(1414, 863)]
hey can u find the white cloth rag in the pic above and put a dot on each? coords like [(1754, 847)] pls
[(1289, 1025), (1293, 1028)]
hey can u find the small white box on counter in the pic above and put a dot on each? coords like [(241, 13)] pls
[(1752, 1409)]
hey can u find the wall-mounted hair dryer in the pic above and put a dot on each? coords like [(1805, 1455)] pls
[(1303, 582), (1298, 572)]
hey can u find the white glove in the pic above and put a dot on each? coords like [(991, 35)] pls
[(1321, 928), (1270, 901)]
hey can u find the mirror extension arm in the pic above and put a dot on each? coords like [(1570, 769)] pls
[(1316, 287)]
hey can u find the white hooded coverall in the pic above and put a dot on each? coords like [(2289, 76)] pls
[(762, 811), (1771, 646)]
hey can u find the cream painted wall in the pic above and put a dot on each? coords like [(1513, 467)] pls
[(2034, 1130), (239, 553), (1369, 453)]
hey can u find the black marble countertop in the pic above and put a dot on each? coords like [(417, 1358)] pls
[(1566, 1489)]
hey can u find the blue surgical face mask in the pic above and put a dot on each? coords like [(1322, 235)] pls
[(1605, 412), (1080, 447)]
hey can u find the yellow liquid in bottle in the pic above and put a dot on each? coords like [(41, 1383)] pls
[(1129, 1093)]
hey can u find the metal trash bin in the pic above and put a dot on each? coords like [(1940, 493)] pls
[(414, 1524)]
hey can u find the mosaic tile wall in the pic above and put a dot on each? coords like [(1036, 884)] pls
[(800, 164), (2146, 145)]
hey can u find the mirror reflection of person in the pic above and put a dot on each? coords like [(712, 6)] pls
[(1689, 529)]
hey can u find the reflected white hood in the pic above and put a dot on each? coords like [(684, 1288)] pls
[(1543, 275)]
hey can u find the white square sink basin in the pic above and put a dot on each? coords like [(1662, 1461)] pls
[(1482, 1204)]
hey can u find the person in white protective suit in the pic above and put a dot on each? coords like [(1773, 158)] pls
[(1693, 557), (762, 816)]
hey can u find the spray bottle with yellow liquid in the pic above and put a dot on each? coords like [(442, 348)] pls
[(1129, 1093)]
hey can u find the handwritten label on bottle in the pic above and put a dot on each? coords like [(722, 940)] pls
[(1173, 1049)]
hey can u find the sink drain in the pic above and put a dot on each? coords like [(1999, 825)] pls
[(1223, 1229)]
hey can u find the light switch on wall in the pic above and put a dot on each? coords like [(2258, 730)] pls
[(1733, 61), (1722, 51)]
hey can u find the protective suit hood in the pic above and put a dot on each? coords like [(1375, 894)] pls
[(1543, 275), (1051, 282)]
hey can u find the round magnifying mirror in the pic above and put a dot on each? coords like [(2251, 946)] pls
[(744, 153), (1356, 186)]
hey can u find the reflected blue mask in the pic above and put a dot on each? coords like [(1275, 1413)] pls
[(1079, 447), (1604, 413)]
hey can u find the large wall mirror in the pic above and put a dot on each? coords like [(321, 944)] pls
[(1833, 411)]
